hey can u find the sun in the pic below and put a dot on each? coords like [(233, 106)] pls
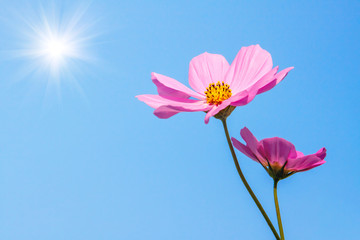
[(56, 49), (57, 41)]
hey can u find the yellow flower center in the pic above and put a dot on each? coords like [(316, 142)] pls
[(216, 93)]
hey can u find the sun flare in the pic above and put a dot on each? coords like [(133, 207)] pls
[(56, 41), (56, 49)]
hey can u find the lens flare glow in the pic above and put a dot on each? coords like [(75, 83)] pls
[(55, 50), (56, 41)]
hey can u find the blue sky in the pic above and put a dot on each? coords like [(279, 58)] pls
[(82, 158)]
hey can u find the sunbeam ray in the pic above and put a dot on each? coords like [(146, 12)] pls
[(55, 42)]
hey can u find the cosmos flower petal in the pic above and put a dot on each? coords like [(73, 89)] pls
[(267, 82), (153, 101), (299, 154), (240, 99), (271, 79), (237, 100), (249, 65), (165, 112), (252, 145), (267, 86), (213, 111), (244, 149), (304, 163), (168, 110), (315, 164), (170, 87), (321, 153), (250, 139), (156, 101), (216, 109), (205, 69), (277, 150), (282, 74)]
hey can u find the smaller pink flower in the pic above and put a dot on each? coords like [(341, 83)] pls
[(218, 86), (278, 156)]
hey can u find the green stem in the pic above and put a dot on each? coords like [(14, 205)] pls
[(278, 210), (246, 183)]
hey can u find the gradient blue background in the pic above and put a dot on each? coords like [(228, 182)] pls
[(100, 165)]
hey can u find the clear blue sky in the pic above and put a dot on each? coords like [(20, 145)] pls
[(82, 158)]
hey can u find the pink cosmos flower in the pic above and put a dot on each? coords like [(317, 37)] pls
[(217, 84), (278, 156)]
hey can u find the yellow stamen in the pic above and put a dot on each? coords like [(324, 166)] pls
[(216, 93)]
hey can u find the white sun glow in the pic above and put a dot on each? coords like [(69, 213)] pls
[(53, 52), (57, 41), (56, 49)]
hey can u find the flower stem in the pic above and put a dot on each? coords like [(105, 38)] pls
[(278, 210), (246, 183)]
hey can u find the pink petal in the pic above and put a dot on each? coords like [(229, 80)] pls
[(213, 111), (299, 154), (267, 82), (239, 99), (250, 140), (304, 163), (282, 74), (267, 86), (166, 111), (244, 149), (321, 153), (205, 69), (156, 101), (270, 80), (316, 164), (250, 64), (170, 87), (153, 101), (252, 145), (277, 150)]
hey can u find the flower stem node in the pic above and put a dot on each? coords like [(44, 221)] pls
[(278, 172), (223, 114)]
